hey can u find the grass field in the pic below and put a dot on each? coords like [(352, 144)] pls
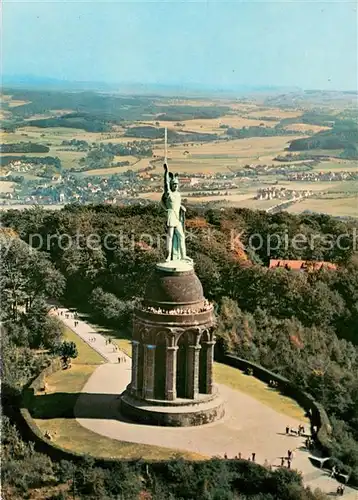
[(336, 165), (69, 434), (15, 103), (275, 113), (86, 355), (236, 379), (305, 127), (341, 206)]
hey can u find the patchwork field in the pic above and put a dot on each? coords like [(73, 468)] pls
[(225, 155), (212, 125)]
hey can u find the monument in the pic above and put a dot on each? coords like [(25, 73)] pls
[(173, 337)]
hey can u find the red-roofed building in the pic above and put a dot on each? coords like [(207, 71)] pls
[(302, 265)]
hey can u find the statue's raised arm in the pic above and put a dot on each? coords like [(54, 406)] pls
[(166, 179)]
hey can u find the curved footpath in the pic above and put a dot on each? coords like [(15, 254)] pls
[(248, 427)]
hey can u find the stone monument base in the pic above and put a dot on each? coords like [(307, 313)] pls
[(178, 413)]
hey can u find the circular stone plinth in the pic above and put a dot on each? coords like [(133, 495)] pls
[(187, 415), (176, 266)]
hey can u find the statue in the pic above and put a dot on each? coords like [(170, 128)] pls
[(171, 201)]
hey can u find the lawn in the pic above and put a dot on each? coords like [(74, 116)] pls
[(71, 435), (86, 355), (236, 379)]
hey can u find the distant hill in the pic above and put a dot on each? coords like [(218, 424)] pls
[(343, 136), (32, 82)]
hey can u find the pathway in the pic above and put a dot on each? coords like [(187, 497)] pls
[(248, 426)]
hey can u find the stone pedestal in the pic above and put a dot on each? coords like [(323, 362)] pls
[(173, 343)]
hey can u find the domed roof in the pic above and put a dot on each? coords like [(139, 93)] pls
[(172, 288)]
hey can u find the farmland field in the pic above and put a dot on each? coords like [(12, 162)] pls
[(6, 187), (212, 125), (340, 206), (225, 155)]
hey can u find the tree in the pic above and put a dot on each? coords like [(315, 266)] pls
[(67, 351)]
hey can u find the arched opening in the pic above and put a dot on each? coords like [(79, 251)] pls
[(202, 368), (159, 372), (181, 378), (140, 368)]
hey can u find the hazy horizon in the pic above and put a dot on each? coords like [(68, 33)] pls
[(294, 44)]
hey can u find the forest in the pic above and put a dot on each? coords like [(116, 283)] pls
[(24, 147), (35, 160), (99, 107), (246, 132), (148, 132), (302, 325), (343, 135)]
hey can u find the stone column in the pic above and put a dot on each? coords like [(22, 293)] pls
[(209, 361), (171, 373), (192, 388), (148, 371), (135, 354)]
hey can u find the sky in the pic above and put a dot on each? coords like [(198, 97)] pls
[(297, 43)]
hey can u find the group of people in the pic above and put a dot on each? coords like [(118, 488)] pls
[(340, 490), (251, 458), (309, 442), (300, 431), (205, 307), (122, 359)]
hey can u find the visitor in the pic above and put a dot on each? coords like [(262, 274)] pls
[(282, 461), (119, 359), (340, 490), (287, 429), (225, 456), (333, 471), (289, 454), (240, 455), (253, 457), (288, 464)]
